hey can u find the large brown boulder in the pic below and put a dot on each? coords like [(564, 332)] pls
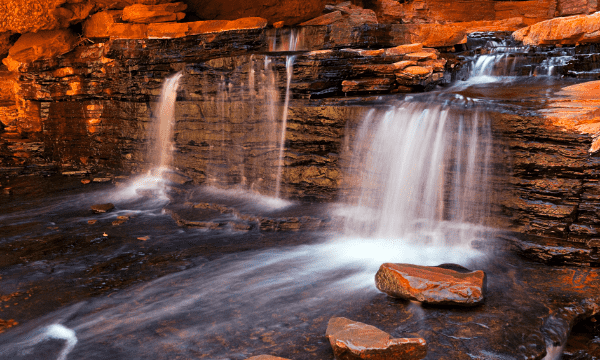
[(569, 30), (352, 340), (40, 45), (291, 12), (440, 285)]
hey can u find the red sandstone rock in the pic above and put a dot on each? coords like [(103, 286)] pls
[(266, 357), (368, 85), (128, 31), (575, 7), (146, 14), (576, 108), (40, 45), (569, 30), (99, 24), (292, 12), (4, 43), (531, 11), (432, 11), (404, 49), (432, 285), (415, 75), (352, 340), (213, 26), (167, 30)]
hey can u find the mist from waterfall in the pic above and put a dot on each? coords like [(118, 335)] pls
[(420, 172)]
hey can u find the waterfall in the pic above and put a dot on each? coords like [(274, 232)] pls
[(421, 173), (289, 69), (163, 128), (161, 145)]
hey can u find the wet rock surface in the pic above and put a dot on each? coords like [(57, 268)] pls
[(529, 305), (432, 285), (354, 340)]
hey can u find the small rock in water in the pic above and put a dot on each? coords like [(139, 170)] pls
[(102, 208), (92, 222), (143, 238), (447, 284), (266, 357), (352, 340), (101, 180), (85, 181)]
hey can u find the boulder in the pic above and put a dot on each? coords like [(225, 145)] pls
[(41, 45), (352, 340), (102, 208), (291, 12), (438, 285), (571, 30), (145, 14)]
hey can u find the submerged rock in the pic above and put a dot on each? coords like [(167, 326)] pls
[(442, 285), (102, 208), (352, 340)]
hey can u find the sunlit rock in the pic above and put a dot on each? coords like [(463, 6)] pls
[(146, 14), (569, 30), (167, 30), (532, 11), (352, 340), (214, 26), (292, 12), (102, 208), (346, 14), (431, 284), (404, 49), (40, 45)]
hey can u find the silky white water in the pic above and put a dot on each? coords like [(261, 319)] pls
[(420, 173)]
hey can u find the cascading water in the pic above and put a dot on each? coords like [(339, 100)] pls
[(289, 69), (421, 172), (163, 133), (160, 151)]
